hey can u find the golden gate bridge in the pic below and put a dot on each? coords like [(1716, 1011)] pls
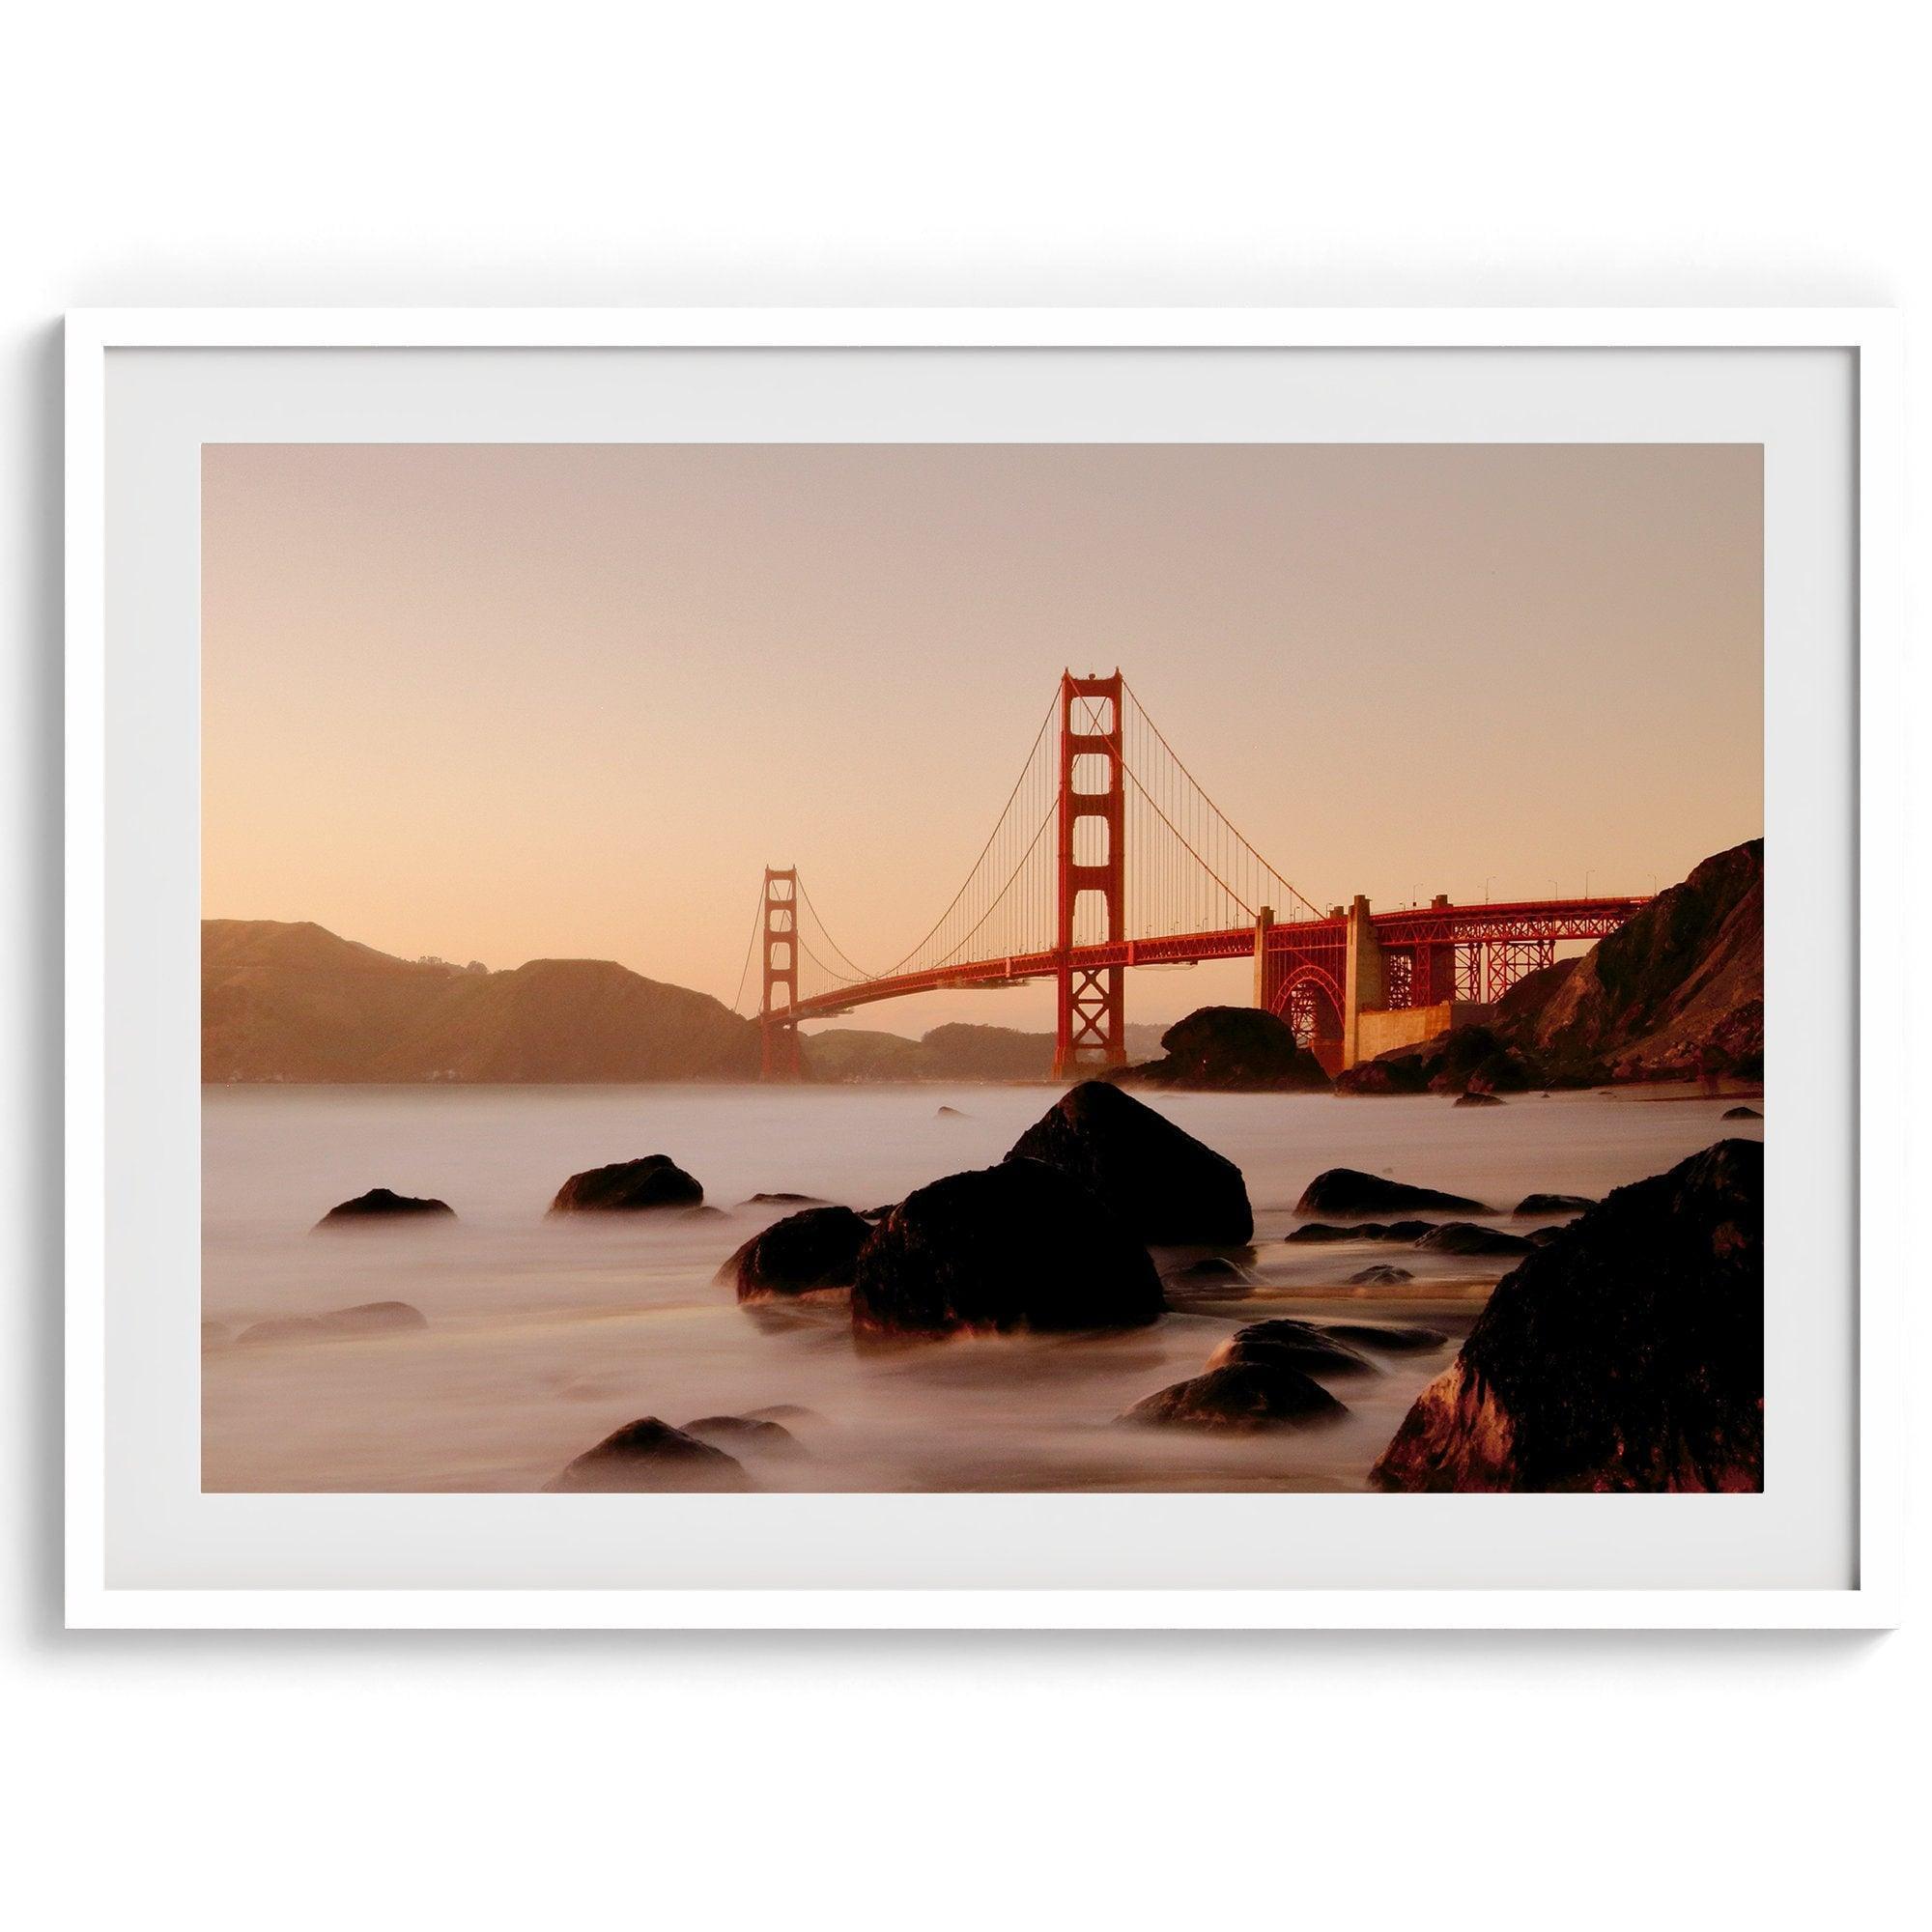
[(1108, 854)]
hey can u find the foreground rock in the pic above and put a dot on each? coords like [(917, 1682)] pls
[(1163, 1183), (650, 1455), (1232, 1050), (629, 1187), (379, 1205), (1240, 1400), (367, 1317), (1533, 1205), (1347, 1190), (1627, 1354), (818, 1248), (1290, 1345), (1001, 1249)]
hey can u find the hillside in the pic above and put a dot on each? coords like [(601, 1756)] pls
[(293, 1001), (957, 1051)]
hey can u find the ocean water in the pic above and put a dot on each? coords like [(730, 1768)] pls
[(544, 1336)]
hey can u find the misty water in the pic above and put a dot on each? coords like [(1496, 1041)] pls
[(545, 1335)]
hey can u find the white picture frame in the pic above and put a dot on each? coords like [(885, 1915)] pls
[(1871, 1597)]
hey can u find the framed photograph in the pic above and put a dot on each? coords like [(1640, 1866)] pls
[(1065, 968)]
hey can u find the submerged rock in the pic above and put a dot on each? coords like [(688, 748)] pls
[(1534, 1206), (1163, 1183), (1347, 1190), (757, 1434), (949, 1114), (1018, 1246), (1467, 1237), (1389, 1338), (784, 1200), (649, 1454), (1291, 1344), (1628, 1354), (1239, 1399), (1475, 1099), (1741, 1114), (380, 1205), (628, 1186), (367, 1317), (1210, 1269), (1380, 1276), (817, 1248)]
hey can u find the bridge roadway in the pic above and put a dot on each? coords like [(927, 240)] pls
[(1498, 942)]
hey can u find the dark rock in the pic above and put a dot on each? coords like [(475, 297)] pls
[(1401, 1230), (367, 1317), (1541, 1238), (1347, 1190), (1163, 1183), (379, 1205), (877, 1214), (782, 1200), (1290, 1345), (1467, 1237), (652, 1455), (1626, 1355), (1000, 1249), (628, 1186), (1319, 1232), (1533, 1205), (1232, 1050), (1474, 1098), (949, 1114), (1741, 1114), (756, 1434), (1389, 1339), (1239, 1399), (817, 1248), (1397, 1074), (1380, 1276), (783, 1411)]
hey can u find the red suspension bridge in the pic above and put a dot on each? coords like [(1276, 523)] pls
[(1108, 854)]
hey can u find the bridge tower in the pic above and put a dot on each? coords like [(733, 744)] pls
[(1090, 1033), (777, 1032)]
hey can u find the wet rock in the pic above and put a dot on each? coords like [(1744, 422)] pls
[(1741, 1114), (1387, 1337), (784, 1200), (1317, 1232), (1232, 1050), (1347, 1190), (1532, 1206), (1402, 1230), (628, 1187), (649, 1454), (379, 1205), (817, 1248), (1380, 1276), (1475, 1099), (1541, 1238), (1238, 1399), (877, 1214), (1000, 1249), (1626, 1355), (753, 1435), (1469, 1237), (1290, 1345), (1163, 1183), (367, 1317)]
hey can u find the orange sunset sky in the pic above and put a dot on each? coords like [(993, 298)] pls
[(506, 702)]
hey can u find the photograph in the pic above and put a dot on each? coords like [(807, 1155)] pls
[(925, 967)]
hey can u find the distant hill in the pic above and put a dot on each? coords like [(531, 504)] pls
[(283, 1001), (953, 1052)]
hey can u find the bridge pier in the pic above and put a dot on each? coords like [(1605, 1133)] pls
[(1365, 976)]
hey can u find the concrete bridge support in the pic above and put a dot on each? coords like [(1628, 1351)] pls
[(1365, 976)]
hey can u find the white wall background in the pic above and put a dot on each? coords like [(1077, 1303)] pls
[(412, 152)]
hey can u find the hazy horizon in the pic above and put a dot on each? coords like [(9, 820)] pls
[(513, 703)]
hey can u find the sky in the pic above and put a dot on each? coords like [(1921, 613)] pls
[(505, 702)]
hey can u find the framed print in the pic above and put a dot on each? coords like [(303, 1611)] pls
[(983, 968)]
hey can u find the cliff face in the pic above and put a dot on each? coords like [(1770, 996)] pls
[(295, 1002), (1682, 980)]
